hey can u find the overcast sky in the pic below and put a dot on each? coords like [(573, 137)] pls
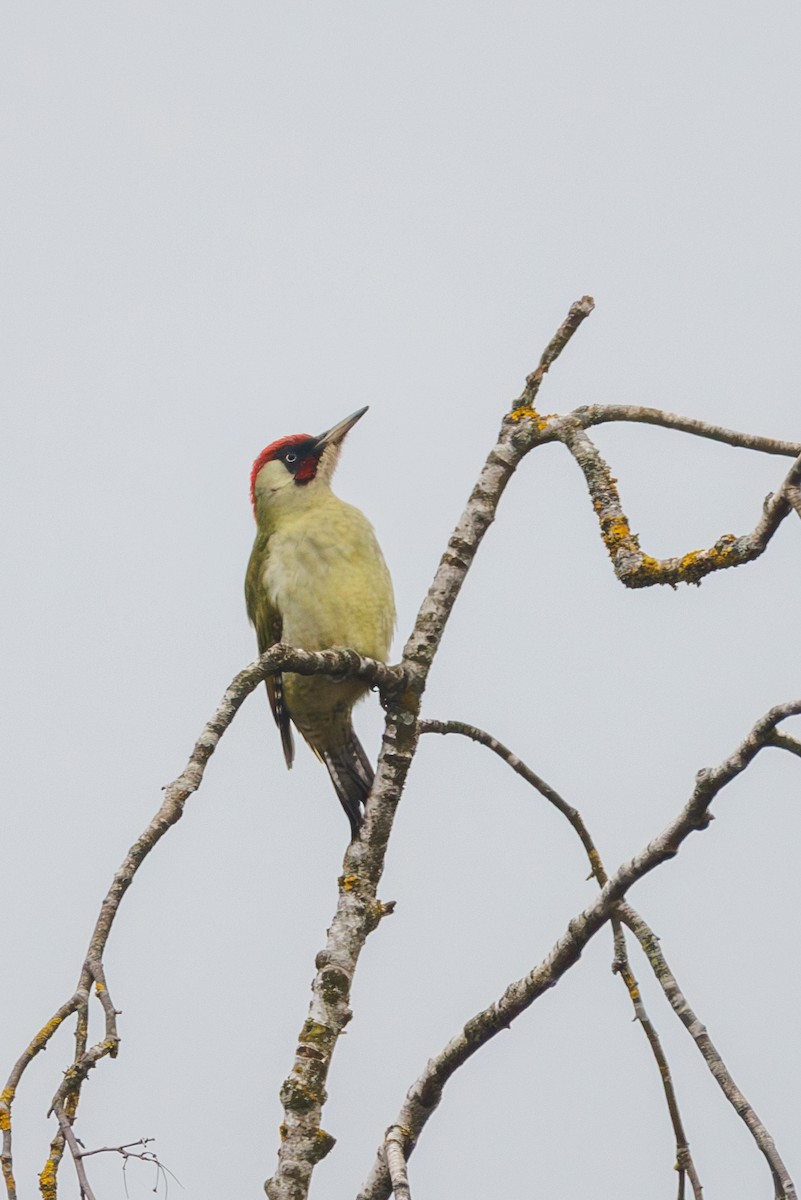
[(224, 223)]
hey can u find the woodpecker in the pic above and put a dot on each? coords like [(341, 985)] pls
[(317, 579)]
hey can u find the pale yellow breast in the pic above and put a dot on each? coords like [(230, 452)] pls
[(326, 575)]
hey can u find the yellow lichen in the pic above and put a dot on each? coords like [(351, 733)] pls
[(518, 414), (700, 562), (6, 1097), (617, 530), (531, 414), (348, 882), (47, 1181), (724, 548), (46, 1032)]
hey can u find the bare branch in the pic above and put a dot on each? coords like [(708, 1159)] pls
[(650, 944), (425, 1094), (303, 1141), (621, 965), (279, 658), (38, 1043), (75, 1150), (128, 1152), (601, 414), (395, 1152), (632, 567), (519, 767), (578, 312), (785, 742), (636, 569)]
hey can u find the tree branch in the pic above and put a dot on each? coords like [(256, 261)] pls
[(650, 944), (425, 1094), (621, 965), (340, 664), (601, 414), (783, 741), (303, 1141), (38, 1043), (396, 1162), (636, 569), (578, 313), (632, 567), (69, 1137)]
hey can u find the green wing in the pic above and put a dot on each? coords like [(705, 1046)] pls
[(267, 622)]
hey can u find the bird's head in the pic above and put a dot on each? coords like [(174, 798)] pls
[(300, 462)]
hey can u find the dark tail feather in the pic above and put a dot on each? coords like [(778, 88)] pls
[(352, 776)]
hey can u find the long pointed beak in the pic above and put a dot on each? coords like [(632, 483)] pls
[(333, 436)]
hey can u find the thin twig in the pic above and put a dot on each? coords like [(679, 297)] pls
[(601, 414), (75, 1150), (684, 1160), (578, 313), (127, 1152), (428, 725), (650, 944), (621, 965)]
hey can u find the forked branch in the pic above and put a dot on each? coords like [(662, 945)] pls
[(621, 964), (303, 1141), (632, 566), (783, 1184), (337, 663), (425, 1094)]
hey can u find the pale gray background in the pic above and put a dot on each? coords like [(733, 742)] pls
[(223, 223)]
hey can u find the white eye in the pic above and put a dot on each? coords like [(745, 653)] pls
[(290, 457)]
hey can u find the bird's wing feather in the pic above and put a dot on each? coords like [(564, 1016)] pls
[(268, 625)]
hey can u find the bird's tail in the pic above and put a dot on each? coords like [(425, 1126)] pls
[(352, 776)]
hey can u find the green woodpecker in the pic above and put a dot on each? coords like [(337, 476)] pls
[(317, 579)]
